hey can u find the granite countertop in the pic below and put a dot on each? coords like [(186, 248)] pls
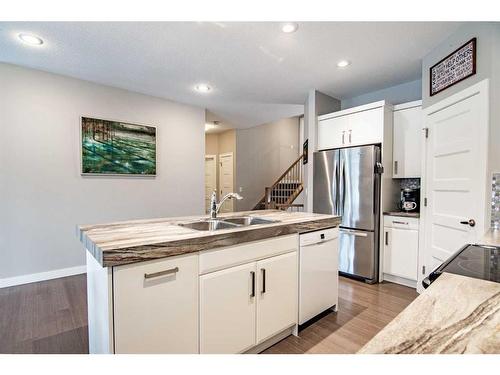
[(456, 314), (127, 242), (491, 238), (402, 214)]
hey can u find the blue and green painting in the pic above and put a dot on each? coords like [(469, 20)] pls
[(112, 147)]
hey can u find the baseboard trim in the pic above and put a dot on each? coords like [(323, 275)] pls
[(41, 276), (400, 280)]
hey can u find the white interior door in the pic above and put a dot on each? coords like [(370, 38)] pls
[(210, 178), (455, 173), (226, 180)]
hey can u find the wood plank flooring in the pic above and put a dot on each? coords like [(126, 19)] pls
[(51, 317)]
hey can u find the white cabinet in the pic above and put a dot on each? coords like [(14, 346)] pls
[(400, 249), (276, 295), (243, 306), (156, 306), (407, 140), (352, 127), (227, 310)]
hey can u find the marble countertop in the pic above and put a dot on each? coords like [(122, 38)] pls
[(402, 214), (456, 314), (134, 241), (491, 238)]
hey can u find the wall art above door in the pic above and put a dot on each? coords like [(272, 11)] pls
[(457, 66)]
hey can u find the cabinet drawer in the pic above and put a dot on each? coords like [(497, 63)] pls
[(156, 306), (217, 259), (401, 222)]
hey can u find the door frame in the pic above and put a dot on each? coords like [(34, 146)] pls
[(482, 89), (216, 174), (219, 186)]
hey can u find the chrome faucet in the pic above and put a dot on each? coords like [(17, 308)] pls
[(215, 207)]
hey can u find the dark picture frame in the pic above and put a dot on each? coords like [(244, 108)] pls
[(453, 82), (117, 148), (305, 151)]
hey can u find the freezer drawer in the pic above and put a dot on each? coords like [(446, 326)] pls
[(357, 253), (318, 270)]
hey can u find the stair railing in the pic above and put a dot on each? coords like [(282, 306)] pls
[(285, 189)]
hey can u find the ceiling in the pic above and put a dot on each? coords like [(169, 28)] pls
[(258, 73)]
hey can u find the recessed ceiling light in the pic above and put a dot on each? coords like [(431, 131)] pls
[(343, 63), (289, 27), (30, 39), (202, 87)]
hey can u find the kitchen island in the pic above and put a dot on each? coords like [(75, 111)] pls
[(161, 286), (456, 314)]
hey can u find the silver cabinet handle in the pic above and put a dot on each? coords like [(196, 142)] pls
[(395, 167), (252, 274), (350, 132), (387, 238), (161, 273), (399, 222), (343, 134)]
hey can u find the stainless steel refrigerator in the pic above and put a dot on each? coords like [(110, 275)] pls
[(347, 183)]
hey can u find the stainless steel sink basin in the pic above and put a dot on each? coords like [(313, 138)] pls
[(248, 220), (226, 223), (212, 224)]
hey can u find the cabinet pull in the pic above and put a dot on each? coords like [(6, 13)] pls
[(343, 134), (253, 284), (387, 238), (399, 222), (350, 132), (161, 273), (263, 270), (395, 167)]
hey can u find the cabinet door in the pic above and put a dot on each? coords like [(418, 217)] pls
[(407, 142), (366, 127), (156, 306), (227, 310), (401, 252), (332, 132), (277, 295)]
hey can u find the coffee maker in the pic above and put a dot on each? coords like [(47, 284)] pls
[(410, 200)]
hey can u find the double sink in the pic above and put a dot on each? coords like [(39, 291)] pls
[(227, 223)]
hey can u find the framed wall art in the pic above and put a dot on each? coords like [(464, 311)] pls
[(457, 66), (111, 147)]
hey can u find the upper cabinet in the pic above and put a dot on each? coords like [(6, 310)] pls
[(357, 126), (407, 140)]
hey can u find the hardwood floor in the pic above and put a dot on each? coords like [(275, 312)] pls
[(363, 311), (51, 317)]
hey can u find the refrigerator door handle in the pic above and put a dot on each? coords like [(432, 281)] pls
[(335, 189), (354, 232), (342, 184)]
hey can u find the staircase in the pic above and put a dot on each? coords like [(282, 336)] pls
[(285, 190)]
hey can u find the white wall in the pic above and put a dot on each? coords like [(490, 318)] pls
[(263, 153), (403, 93), (42, 194)]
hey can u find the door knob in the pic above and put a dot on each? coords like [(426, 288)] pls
[(470, 222)]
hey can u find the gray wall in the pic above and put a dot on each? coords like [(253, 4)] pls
[(488, 66), (403, 93), (43, 197), (316, 104), (263, 153)]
